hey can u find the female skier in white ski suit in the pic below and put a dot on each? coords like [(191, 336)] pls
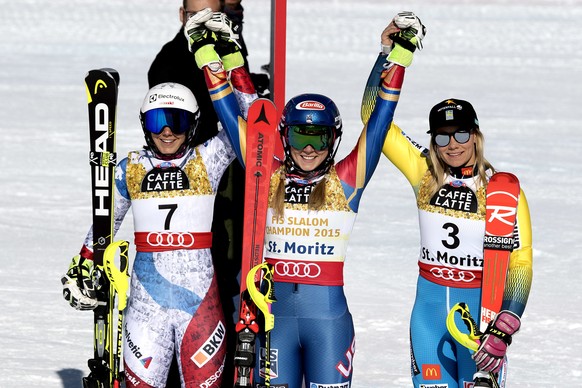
[(174, 306)]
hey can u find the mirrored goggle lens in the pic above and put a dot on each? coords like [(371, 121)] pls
[(178, 120), (300, 136), (443, 139)]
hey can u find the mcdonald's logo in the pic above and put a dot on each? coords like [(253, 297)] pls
[(431, 371)]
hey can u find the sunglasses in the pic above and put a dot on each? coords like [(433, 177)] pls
[(443, 139), (317, 136), (178, 120)]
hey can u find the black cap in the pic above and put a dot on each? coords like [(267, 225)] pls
[(452, 112)]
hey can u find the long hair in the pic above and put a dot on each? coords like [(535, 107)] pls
[(438, 167), (316, 197)]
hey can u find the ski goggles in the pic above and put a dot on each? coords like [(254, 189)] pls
[(178, 120), (318, 136), (443, 139)]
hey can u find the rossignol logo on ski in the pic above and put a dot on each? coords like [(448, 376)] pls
[(499, 214), (500, 218), (498, 242), (210, 347)]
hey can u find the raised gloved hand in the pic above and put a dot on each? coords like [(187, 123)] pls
[(495, 340), (196, 32), (226, 31), (201, 40), (408, 39), (78, 287), (227, 44)]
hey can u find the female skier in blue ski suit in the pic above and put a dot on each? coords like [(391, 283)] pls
[(313, 203), (449, 181)]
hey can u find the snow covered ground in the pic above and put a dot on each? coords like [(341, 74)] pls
[(519, 62)]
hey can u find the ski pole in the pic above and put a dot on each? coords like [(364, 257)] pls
[(469, 340), (118, 280), (263, 303)]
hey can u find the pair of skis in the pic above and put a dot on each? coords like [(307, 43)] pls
[(110, 280), (259, 157), (261, 147), (501, 213)]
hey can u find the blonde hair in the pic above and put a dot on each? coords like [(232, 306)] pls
[(438, 167), (316, 197)]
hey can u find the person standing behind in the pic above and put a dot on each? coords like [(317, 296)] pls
[(174, 305), (454, 166), (175, 63), (313, 340)]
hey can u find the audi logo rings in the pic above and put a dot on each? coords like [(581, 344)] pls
[(169, 239), (453, 274), (300, 269)]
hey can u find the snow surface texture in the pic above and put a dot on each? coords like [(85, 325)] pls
[(519, 62)]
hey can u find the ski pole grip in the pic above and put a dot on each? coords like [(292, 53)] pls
[(471, 340), (263, 302), (118, 275)]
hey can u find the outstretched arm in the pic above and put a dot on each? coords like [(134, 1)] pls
[(217, 53), (405, 27), (357, 168)]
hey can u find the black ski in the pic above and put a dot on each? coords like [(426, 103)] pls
[(101, 86)]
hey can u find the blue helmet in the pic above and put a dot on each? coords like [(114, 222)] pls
[(313, 111)]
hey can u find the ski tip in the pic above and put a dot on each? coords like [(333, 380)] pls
[(112, 72), (263, 109), (109, 71), (506, 177), (263, 102)]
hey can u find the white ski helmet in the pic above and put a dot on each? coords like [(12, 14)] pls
[(169, 105)]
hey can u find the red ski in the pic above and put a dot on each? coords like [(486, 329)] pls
[(277, 68), (502, 196), (260, 148)]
